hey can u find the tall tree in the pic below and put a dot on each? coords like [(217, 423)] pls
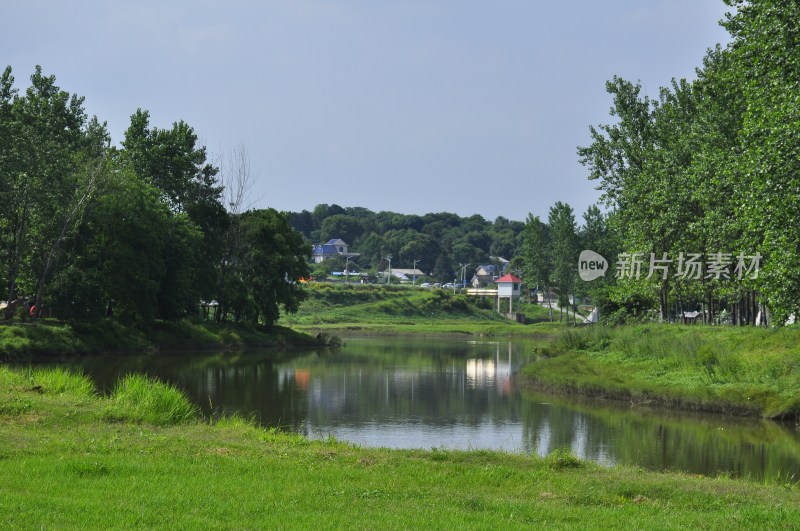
[(537, 257), (274, 259), (43, 135), (124, 244), (766, 49), (172, 162), (561, 222)]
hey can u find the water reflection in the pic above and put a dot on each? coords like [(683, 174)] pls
[(415, 393)]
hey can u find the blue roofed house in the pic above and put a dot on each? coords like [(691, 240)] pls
[(324, 251)]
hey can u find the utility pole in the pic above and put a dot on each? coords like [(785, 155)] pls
[(414, 267)]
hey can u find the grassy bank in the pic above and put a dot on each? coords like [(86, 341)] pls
[(55, 338), (737, 370), (371, 309), (141, 458)]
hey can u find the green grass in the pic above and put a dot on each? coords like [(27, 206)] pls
[(64, 464), (738, 370), (372, 309), (139, 398), (46, 337), (199, 334), (18, 340)]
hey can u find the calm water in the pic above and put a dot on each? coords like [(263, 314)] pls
[(423, 393)]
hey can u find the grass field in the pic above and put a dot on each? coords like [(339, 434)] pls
[(737, 370), (141, 458)]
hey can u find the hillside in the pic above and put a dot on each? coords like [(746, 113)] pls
[(402, 309)]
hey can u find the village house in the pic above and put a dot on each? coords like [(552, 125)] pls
[(325, 251)]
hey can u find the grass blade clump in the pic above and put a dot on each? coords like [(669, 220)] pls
[(140, 398), (47, 381), (59, 381), (562, 458)]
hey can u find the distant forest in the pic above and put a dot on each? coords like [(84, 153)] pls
[(440, 242)]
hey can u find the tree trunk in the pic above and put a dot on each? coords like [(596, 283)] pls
[(18, 239), (50, 256)]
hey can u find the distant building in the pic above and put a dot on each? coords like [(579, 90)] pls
[(508, 287), (325, 251), (407, 274), (484, 276)]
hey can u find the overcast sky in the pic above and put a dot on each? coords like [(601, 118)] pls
[(412, 106)]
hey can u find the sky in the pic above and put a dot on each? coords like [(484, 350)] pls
[(409, 106)]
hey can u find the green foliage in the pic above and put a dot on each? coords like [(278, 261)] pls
[(19, 341), (341, 226), (711, 166), (437, 241), (128, 230), (536, 254), (564, 251), (273, 263), (137, 233), (46, 143), (766, 40), (395, 309)]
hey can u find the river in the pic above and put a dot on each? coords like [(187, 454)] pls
[(449, 393)]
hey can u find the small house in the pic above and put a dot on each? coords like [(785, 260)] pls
[(325, 251), (508, 287)]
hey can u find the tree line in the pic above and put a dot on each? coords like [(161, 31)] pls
[(440, 243), (708, 172), (137, 232)]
